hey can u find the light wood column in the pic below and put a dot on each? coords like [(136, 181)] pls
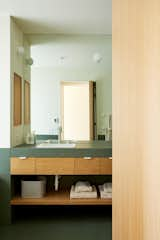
[(136, 119), (151, 160)]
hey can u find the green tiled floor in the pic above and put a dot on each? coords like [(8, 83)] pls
[(64, 224)]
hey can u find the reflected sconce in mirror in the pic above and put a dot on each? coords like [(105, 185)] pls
[(97, 58), (62, 59)]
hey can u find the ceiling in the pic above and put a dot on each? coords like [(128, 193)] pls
[(61, 16)]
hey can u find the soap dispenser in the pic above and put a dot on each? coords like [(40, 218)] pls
[(33, 137)]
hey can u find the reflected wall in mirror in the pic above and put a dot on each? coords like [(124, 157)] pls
[(69, 58)]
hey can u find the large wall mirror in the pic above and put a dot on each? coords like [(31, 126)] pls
[(65, 72)]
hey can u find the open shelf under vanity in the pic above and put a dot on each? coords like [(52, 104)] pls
[(59, 198)]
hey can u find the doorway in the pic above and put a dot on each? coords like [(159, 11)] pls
[(77, 110)]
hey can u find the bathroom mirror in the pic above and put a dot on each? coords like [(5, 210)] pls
[(70, 59)]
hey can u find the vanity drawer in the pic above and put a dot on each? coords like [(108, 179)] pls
[(61, 166), (24, 166), (54, 166), (88, 166), (105, 165)]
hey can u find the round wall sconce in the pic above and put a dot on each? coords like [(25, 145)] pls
[(29, 61), (20, 50)]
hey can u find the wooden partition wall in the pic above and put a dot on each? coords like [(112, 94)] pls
[(136, 119)]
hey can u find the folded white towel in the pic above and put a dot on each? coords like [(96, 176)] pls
[(107, 187), (104, 194), (74, 194), (83, 186)]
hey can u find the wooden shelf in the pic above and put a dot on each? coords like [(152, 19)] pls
[(59, 198)]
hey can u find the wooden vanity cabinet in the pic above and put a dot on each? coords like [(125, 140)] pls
[(61, 166)]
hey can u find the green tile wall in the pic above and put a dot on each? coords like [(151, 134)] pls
[(5, 215)]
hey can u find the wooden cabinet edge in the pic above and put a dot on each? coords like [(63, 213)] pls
[(73, 171)]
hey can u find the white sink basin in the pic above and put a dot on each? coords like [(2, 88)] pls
[(56, 145)]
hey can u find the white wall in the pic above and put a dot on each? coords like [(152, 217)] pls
[(78, 65), (5, 83), (18, 66)]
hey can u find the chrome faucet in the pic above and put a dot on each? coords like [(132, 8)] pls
[(59, 129)]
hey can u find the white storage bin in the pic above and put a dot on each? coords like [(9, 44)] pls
[(33, 189)]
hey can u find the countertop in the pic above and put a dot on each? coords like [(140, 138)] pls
[(82, 149)]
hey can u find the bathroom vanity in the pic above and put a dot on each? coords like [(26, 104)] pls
[(93, 158)]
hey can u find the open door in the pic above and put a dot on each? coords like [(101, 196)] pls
[(77, 110)]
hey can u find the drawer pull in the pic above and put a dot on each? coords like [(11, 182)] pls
[(110, 158), (87, 158), (23, 158)]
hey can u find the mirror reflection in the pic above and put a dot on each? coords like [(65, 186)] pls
[(71, 80)]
